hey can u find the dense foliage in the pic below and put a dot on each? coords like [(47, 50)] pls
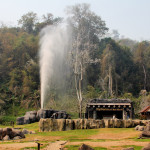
[(115, 68)]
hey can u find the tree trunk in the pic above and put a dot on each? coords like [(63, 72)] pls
[(110, 82), (144, 70)]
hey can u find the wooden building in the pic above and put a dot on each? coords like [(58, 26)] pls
[(109, 109), (145, 113)]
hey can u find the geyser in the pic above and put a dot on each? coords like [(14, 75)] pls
[(53, 45)]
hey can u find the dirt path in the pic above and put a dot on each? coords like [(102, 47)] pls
[(17, 146), (55, 146)]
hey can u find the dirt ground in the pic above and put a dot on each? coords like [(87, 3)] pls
[(108, 138)]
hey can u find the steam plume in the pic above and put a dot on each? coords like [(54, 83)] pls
[(53, 44)]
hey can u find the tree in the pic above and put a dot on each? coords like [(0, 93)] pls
[(87, 29), (141, 58), (47, 19), (28, 22), (108, 69)]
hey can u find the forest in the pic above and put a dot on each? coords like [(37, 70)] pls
[(104, 66)]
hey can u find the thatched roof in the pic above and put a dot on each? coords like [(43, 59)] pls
[(96, 100)]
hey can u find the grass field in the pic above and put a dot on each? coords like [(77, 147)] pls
[(99, 139)]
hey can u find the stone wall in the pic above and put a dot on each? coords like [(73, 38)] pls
[(71, 124)]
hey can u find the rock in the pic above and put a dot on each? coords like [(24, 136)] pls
[(6, 131), (137, 127), (41, 114), (26, 119), (20, 121), (141, 128), (128, 123), (147, 147), (118, 123), (6, 138), (145, 134), (69, 124), (77, 123), (17, 133), (62, 124), (9, 133), (16, 138), (1, 131), (85, 147), (130, 148), (24, 131), (147, 126), (33, 116), (32, 132)]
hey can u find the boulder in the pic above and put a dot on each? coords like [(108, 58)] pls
[(6, 131), (32, 132), (85, 147), (20, 121), (16, 138), (93, 124), (41, 114), (62, 124), (69, 124), (17, 133), (147, 128), (141, 128), (33, 117), (118, 123), (137, 122), (6, 138), (128, 123), (77, 123), (111, 123), (147, 147), (145, 134), (137, 127), (24, 131), (1, 131), (87, 124)]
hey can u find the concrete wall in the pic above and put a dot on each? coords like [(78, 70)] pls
[(71, 124)]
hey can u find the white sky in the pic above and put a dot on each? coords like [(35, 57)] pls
[(130, 17)]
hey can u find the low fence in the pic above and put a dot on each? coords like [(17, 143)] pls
[(72, 124)]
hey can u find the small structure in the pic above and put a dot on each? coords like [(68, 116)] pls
[(109, 109), (145, 113)]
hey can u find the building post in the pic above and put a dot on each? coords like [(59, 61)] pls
[(123, 114), (94, 115)]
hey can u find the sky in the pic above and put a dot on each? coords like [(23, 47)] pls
[(130, 17)]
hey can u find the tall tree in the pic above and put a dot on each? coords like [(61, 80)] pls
[(141, 59), (28, 22), (87, 29)]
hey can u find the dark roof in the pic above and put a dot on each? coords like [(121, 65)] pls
[(96, 100), (145, 109)]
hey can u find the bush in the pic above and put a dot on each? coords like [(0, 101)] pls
[(6, 120)]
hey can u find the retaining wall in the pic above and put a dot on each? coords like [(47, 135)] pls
[(71, 124)]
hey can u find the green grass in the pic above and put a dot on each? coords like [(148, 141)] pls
[(91, 140), (134, 146), (6, 120), (142, 140)]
